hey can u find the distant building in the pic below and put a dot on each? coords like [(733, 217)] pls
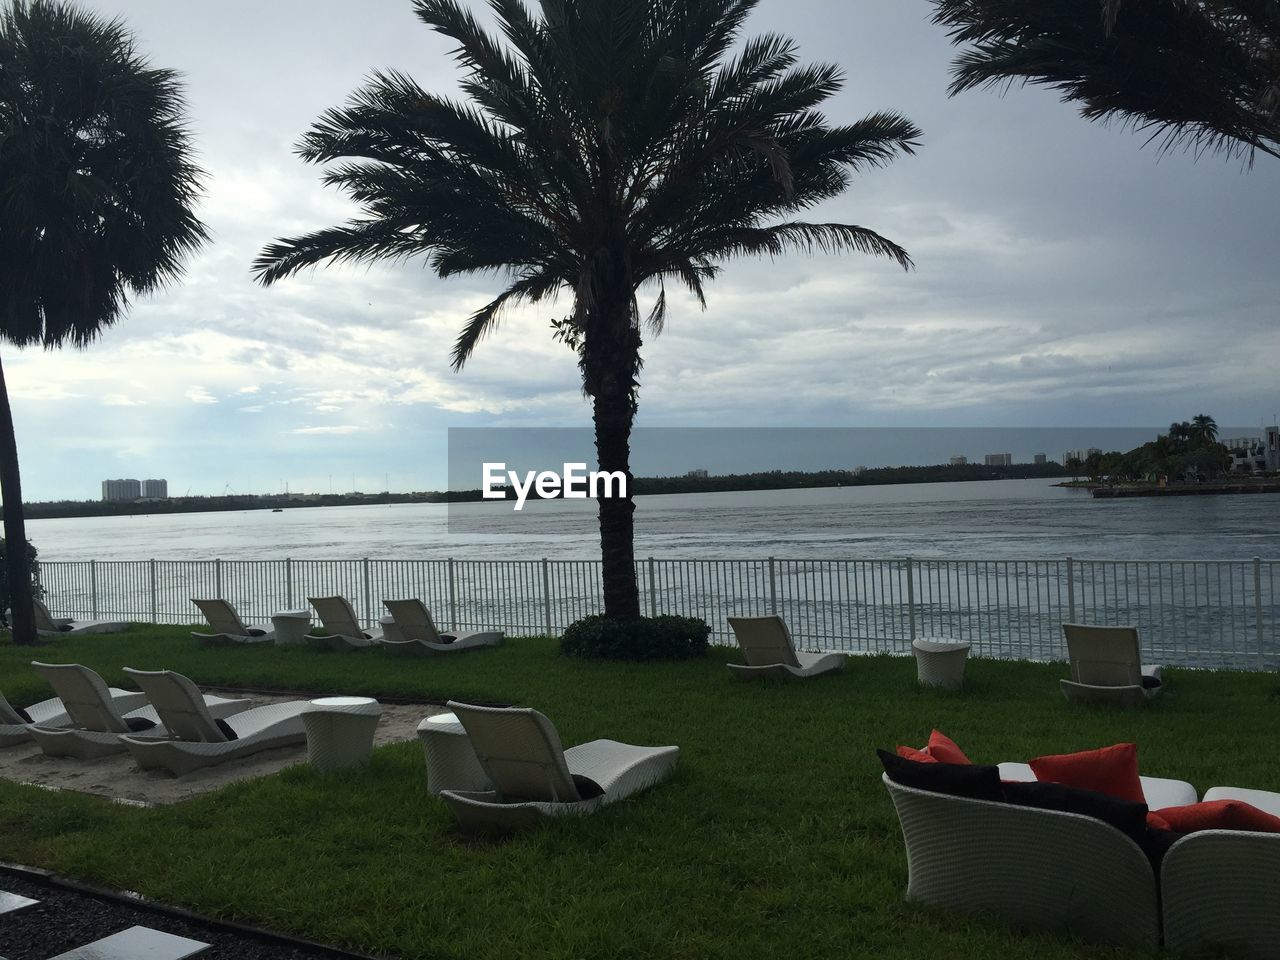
[(155, 489), (959, 461), (1040, 459), (1081, 455), (697, 474), (121, 490), (998, 459), (1273, 448)]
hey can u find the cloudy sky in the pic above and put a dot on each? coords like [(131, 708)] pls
[(1066, 277)]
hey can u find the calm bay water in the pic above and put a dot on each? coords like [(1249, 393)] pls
[(1013, 519)]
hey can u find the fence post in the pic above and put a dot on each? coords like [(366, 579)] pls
[(93, 588), (1257, 608), (546, 594), (453, 598), (288, 583), (773, 587), (217, 578), (154, 618), (369, 612), (1071, 591), (911, 600), (653, 591)]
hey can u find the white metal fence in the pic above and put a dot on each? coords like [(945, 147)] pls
[(1198, 613)]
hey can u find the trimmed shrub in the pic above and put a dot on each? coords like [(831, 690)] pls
[(36, 590), (649, 638)]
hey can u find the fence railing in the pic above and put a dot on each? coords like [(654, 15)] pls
[(1196, 613)]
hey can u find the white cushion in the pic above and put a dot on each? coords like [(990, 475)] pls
[(1158, 791), (1264, 800)]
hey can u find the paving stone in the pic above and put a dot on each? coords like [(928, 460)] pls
[(137, 943), (9, 902)]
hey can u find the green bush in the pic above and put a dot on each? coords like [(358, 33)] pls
[(649, 638), (36, 590)]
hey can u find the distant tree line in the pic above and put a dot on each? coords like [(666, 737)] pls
[(1189, 451)]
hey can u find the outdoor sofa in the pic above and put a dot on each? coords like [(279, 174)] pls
[(1213, 891)]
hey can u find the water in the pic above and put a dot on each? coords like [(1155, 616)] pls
[(1011, 519)]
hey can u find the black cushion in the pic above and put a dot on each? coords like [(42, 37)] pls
[(26, 717), (226, 729), (955, 779), (1126, 816), (1150, 683), (138, 724)]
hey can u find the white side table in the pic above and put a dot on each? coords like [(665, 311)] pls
[(340, 731), (940, 663), (390, 632), (291, 627), (451, 762)]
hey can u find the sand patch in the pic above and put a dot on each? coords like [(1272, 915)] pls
[(119, 778)]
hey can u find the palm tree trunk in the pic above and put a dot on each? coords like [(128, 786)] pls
[(15, 527), (613, 412)]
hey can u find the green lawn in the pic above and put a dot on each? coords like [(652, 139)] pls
[(774, 838)]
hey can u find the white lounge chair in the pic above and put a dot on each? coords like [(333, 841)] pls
[(96, 723), (767, 647), (420, 636), (1107, 667), (342, 630), (198, 738), (15, 722), (534, 777), (47, 625), (228, 628)]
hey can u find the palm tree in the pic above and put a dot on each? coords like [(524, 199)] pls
[(96, 193), (603, 148), (1201, 74), (1204, 429)]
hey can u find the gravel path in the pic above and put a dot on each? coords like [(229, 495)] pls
[(66, 919)]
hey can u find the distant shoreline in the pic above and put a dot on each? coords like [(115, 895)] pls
[(641, 486)]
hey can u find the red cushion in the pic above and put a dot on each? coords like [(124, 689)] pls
[(1219, 815), (919, 756), (943, 749), (1111, 770), (1157, 822)]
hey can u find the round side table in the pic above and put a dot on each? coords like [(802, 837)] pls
[(451, 762), (391, 633), (940, 663), (291, 627), (340, 731)]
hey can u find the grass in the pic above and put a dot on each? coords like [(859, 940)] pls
[(775, 837)]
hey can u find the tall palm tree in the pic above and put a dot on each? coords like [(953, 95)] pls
[(1180, 431), (1202, 74), (604, 147), (1204, 429), (96, 195)]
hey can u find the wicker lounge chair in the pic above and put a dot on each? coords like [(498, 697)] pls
[(96, 722), (48, 625), (15, 722), (228, 628), (342, 630), (1040, 869), (1107, 667), (534, 777), (199, 739), (420, 636), (1219, 894), (767, 647)]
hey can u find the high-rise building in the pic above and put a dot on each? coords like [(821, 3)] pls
[(1040, 459), (959, 461), (121, 490), (155, 489), (998, 459)]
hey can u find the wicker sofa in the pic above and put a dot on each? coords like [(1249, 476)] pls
[(1217, 890)]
